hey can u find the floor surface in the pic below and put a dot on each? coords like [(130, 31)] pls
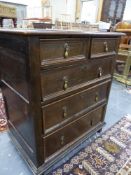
[(119, 105)]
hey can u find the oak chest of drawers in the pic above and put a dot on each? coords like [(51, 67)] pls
[(56, 86)]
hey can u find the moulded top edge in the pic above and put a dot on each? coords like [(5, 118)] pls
[(59, 32)]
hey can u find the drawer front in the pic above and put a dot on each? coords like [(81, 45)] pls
[(62, 80), (103, 47), (68, 134), (74, 106), (62, 50)]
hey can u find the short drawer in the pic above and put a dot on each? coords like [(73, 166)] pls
[(70, 133), (55, 82), (103, 47), (63, 111), (62, 50)]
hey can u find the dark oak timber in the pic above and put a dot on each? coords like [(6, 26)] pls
[(56, 86)]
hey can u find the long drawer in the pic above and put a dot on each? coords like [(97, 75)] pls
[(63, 111), (55, 51), (66, 79), (70, 133)]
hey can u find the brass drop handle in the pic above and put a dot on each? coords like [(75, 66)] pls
[(106, 46), (91, 123), (100, 71), (65, 84), (66, 53), (62, 140), (96, 97), (64, 111)]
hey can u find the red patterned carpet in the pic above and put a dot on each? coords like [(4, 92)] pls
[(109, 154), (3, 120)]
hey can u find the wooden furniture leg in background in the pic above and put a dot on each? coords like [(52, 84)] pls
[(125, 77)]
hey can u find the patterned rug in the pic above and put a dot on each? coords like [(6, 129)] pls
[(3, 120), (109, 154), (126, 169)]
